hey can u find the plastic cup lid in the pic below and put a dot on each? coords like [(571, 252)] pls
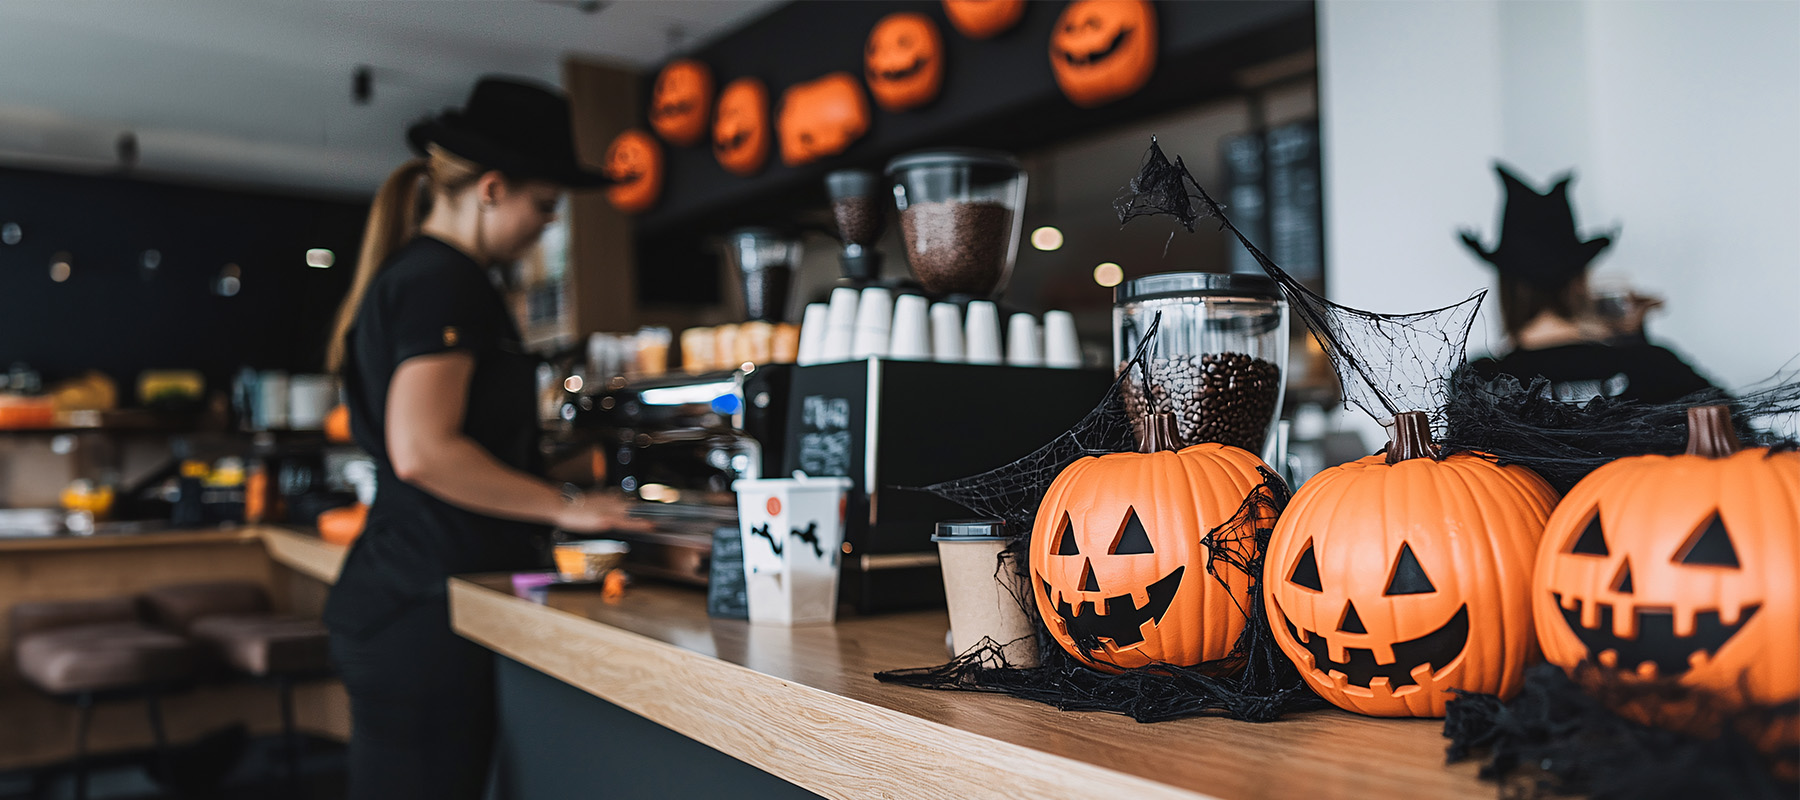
[(971, 530)]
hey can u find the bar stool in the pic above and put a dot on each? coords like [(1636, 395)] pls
[(89, 651), (233, 621)]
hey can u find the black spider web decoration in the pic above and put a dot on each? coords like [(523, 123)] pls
[(1387, 363)]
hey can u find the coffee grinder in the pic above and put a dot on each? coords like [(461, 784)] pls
[(765, 260), (859, 203)]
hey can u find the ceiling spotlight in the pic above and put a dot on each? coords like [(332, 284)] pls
[(1047, 238), (320, 258), (1109, 274)]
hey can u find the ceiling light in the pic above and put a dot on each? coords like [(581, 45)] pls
[(320, 258), (1047, 238), (1109, 274)]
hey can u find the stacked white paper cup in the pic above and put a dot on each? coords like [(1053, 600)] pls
[(874, 323), (813, 323), (840, 325), (911, 339), (981, 335), (1023, 345), (946, 333), (1062, 348)]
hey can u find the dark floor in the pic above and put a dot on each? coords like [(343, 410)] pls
[(252, 769)]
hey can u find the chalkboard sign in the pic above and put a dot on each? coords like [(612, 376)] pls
[(825, 438), (1273, 195), (725, 594)]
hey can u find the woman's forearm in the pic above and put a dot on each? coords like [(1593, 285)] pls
[(460, 472)]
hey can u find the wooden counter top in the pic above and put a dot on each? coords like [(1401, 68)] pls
[(151, 538), (305, 552), (802, 704)]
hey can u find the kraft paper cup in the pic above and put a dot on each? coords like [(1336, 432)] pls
[(984, 598), (588, 560), (792, 530)]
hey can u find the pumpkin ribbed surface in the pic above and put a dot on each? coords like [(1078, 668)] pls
[(1117, 563), (1390, 584)]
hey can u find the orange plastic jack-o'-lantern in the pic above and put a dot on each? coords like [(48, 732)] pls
[(904, 61), (680, 102), (982, 19), (1102, 50), (1680, 567), (634, 162), (741, 127), (1117, 563), (821, 118), (1393, 579)]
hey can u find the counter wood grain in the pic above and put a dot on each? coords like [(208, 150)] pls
[(305, 553), (801, 703)]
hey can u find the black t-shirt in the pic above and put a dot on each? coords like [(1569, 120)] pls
[(431, 298), (1580, 372)]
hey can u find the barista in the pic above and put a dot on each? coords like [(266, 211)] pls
[(1554, 325), (442, 395)]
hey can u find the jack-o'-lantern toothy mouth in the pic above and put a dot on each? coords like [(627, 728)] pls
[(672, 109), (627, 177), (732, 142), (903, 73), (1124, 620), (1436, 649), (1656, 641), (1096, 56)]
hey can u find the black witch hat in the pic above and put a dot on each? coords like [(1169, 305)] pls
[(1538, 243), (517, 127)]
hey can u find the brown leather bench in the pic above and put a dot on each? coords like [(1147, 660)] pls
[(87, 651), (235, 625)]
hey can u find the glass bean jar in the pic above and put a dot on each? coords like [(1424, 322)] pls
[(1219, 359)]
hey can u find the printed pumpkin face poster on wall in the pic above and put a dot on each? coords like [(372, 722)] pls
[(634, 162), (681, 101), (904, 61), (741, 127), (983, 19), (821, 118), (1103, 50)]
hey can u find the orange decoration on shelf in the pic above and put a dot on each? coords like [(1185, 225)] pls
[(904, 61), (681, 101), (983, 19), (337, 424), (1680, 567), (741, 127), (634, 161), (821, 118), (1124, 526), (341, 526), (1103, 50), (1395, 578)]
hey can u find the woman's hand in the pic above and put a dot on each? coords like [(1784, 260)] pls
[(592, 512)]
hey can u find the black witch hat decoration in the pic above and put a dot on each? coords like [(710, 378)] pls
[(1538, 243)]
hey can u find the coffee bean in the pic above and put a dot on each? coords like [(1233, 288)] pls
[(1216, 397), (957, 247)]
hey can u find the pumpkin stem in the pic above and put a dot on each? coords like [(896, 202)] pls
[(1159, 434), (1710, 433), (1412, 437)]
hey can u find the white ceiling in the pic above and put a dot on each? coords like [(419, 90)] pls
[(258, 92)]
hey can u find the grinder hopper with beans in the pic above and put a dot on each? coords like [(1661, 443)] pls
[(1217, 362)]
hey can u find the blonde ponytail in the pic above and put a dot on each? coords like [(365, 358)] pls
[(393, 218)]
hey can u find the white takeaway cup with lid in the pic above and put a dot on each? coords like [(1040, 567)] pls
[(792, 530)]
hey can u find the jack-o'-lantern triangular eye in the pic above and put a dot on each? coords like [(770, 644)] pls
[(1306, 571), (1409, 576), (1709, 546), (1133, 539), (1592, 541), (1065, 540)]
